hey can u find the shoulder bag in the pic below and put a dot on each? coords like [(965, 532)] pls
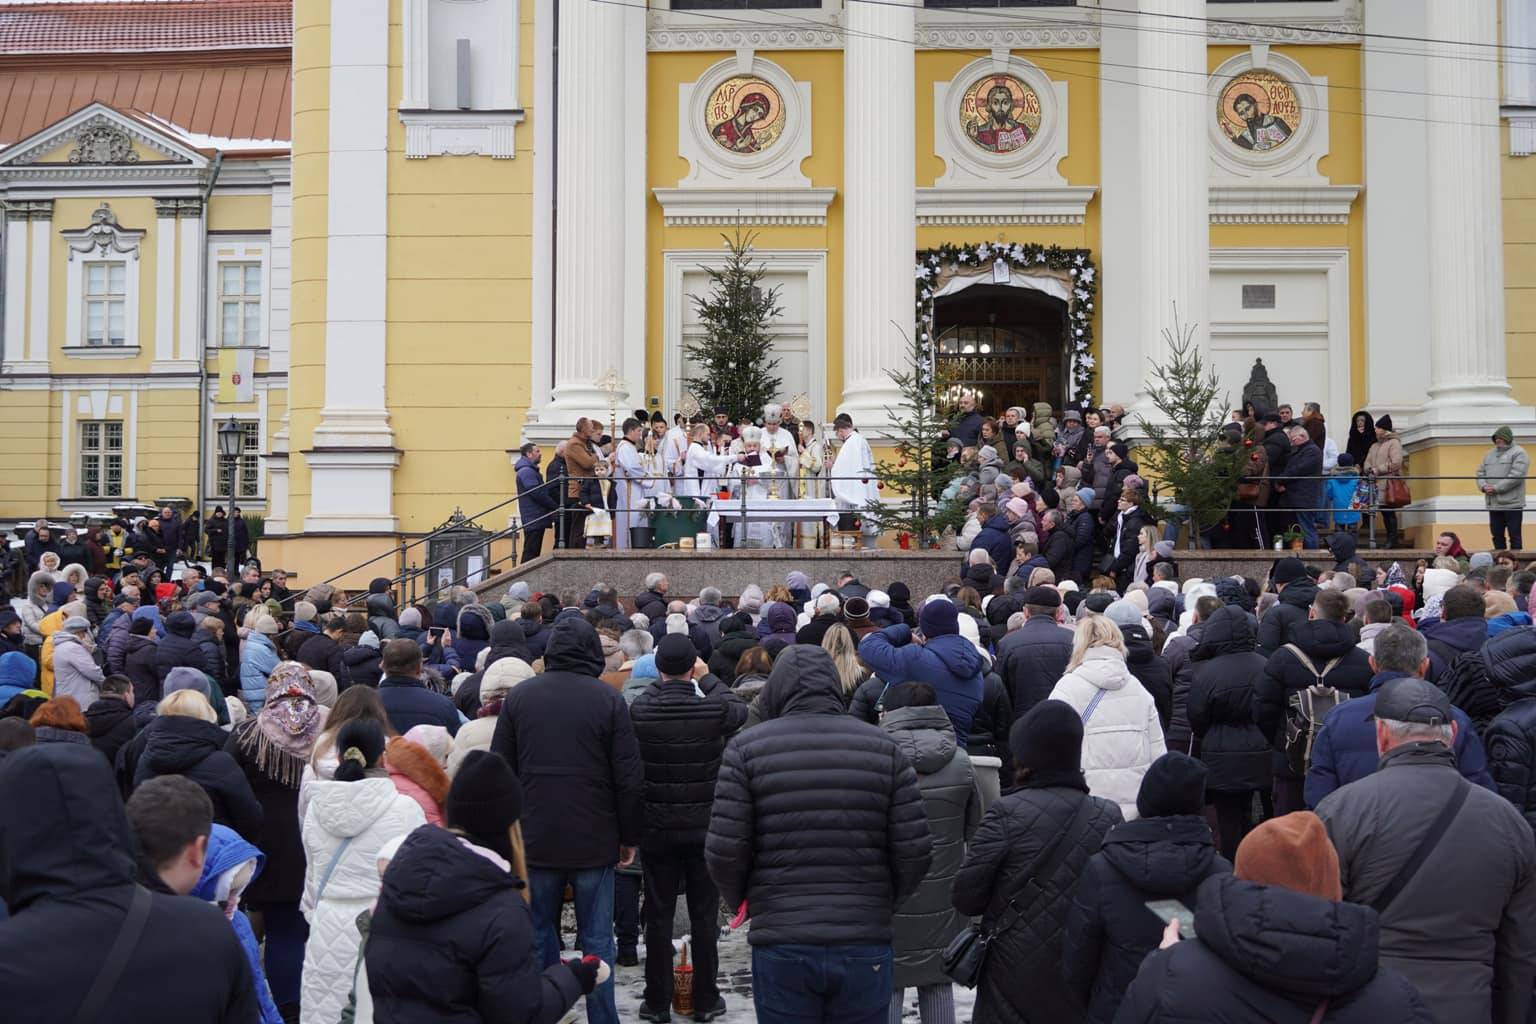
[(1437, 831), (966, 954), (117, 957)]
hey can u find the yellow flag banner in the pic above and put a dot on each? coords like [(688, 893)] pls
[(237, 376)]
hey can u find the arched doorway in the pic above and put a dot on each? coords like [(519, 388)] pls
[(1007, 343)]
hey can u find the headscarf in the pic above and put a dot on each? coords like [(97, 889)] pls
[(283, 734), (1359, 445)]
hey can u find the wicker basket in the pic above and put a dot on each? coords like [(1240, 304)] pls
[(682, 986)]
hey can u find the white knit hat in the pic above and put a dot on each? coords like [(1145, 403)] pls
[(1438, 581)]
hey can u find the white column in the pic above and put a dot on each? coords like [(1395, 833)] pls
[(280, 283), (542, 305), (1466, 238), (42, 276), (15, 286), (277, 481), (590, 222), (165, 283), (1397, 197), (352, 458), (1156, 162), (194, 254), (879, 206)]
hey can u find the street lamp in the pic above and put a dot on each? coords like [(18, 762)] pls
[(231, 440)]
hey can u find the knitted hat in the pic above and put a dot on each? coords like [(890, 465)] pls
[(369, 639), (380, 585), (677, 623), (1018, 506), (644, 667), (797, 580), (1174, 784), (1502, 434), (856, 613), (1136, 593), (1384, 423), (879, 599), (939, 617), (77, 624), (503, 674), (1438, 581), (1123, 613), (1346, 460), (1120, 449), (751, 600), (486, 798), (1072, 414), (1480, 560), (304, 611), (1098, 603), (63, 591), (1048, 738), (1292, 851), (184, 678), (1289, 570), (675, 655), (267, 625), (1164, 548), (410, 619), (325, 687), (1086, 495)]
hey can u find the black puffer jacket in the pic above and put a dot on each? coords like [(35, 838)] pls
[(568, 736), (363, 665), (323, 653), (139, 667), (1321, 641), (1024, 980), (817, 821), (213, 657), (382, 618), (1226, 667), (178, 745), (179, 648), (731, 646), (990, 725), (452, 940), (111, 724), (1150, 670), (1272, 956), (1510, 738), (507, 641), (67, 871), (1177, 653), (1289, 614), (1031, 660), (681, 738), (1110, 931)]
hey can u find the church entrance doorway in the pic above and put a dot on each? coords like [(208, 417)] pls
[(1008, 344)]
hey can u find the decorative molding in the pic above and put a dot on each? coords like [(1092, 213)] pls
[(1003, 205), (100, 351), (102, 134), (665, 33), (761, 206), (1344, 32), (104, 236), (101, 142), (1522, 129), (36, 209), (1282, 204), (970, 36), (461, 133)]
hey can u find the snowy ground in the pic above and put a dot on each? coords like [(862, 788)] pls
[(736, 985)]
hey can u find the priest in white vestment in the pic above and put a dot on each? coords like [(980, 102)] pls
[(778, 447), (629, 483), (853, 473), (752, 476)]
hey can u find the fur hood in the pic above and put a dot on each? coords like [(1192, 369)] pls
[(417, 764)]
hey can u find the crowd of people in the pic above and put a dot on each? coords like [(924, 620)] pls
[(1304, 798)]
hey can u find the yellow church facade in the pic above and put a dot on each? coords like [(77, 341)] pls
[(496, 214)]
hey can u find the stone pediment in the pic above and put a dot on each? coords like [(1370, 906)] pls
[(98, 140)]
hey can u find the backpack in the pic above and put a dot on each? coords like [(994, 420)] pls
[(1466, 685), (1305, 711)]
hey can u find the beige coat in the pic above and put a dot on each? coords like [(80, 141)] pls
[(1385, 457)]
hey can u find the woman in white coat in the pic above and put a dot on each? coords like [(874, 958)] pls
[(1121, 732), (349, 819)]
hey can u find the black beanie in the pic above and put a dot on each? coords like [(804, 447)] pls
[(380, 585), (1048, 739), (901, 594), (485, 799), (1174, 784)]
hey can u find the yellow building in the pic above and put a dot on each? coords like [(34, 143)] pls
[(144, 170), (486, 226)]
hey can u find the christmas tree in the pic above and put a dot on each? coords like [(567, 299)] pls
[(1185, 449), (733, 362), (920, 471)]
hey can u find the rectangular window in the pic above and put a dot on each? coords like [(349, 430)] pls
[(106, 306), (239, 304), (101, 459), (247, 464)]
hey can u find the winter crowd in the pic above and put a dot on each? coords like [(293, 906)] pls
[(1087, 504), (1308, 798)]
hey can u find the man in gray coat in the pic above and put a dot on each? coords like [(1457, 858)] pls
[(1450, 867), (928, 920), (1501, 478)]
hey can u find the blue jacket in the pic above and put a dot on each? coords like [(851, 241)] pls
[(950, 664), (1509, 620), (1345, 750), (1341, 494), (226, 850), (994, 538), (257, 661), (535, 502), (17, 672), (408, 702)]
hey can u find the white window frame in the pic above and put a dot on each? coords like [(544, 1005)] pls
[(100, 454), (483, 131), (225, 249), (107, 298), (75, 299), (254, 427)]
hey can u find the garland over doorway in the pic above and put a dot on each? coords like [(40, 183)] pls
[(1067, 274)]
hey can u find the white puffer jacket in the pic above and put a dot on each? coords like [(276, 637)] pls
[(364, 815), (1123, 737)]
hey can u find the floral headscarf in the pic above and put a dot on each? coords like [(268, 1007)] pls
[(283, 734)]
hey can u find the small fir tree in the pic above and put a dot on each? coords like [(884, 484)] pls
[(733, 361), (1186, 449), (920, 471)]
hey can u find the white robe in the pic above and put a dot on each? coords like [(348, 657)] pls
[(781, 438), (853, 477), (758, 532), (630, 490), (673, 445), (703, 467)]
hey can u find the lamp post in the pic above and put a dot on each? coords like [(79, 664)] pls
[(231, 439)]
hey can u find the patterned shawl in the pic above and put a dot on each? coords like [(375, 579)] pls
[(282, 736)]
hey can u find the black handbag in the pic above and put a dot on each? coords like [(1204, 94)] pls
[(966, 955)]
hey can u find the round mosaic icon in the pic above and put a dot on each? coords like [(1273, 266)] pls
[(1000, 113), (744, 115), (1259, 111)]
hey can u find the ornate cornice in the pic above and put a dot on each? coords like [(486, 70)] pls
[(101, 141), (1282, 204), (666, 35), (973, 36), (1341, 32)]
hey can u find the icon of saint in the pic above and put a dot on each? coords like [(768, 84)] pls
[(736, 134), (1263, 131), (998, 131)]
